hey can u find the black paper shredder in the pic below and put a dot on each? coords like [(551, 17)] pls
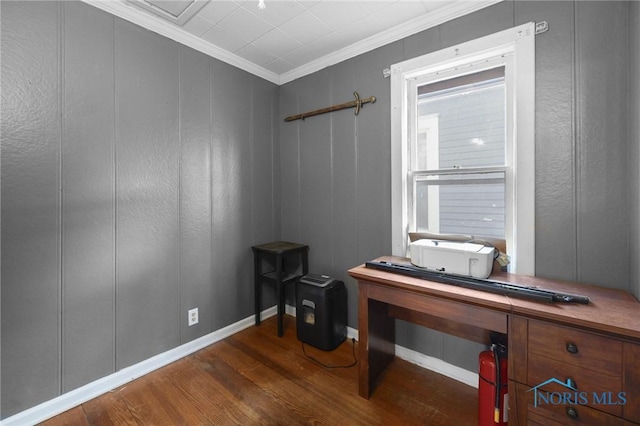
[(321, 311)]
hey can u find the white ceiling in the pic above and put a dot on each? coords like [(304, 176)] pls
[(288, 38)]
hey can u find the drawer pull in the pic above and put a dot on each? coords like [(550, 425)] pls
[(572, 413), (572, 348)]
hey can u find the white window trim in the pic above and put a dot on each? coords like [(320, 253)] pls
[(518, 43)]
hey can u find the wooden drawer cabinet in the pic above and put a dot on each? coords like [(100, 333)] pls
[(549, 414), (603, 370), (584, 380), (591, 363), (579, 348)]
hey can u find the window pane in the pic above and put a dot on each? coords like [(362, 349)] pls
[(461, 204), (461, 125)]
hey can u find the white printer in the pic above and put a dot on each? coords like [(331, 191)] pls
[(451, 257)]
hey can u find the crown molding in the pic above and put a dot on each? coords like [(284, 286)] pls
[(416, 25), (130, 13), (182, 18), (152, 23)]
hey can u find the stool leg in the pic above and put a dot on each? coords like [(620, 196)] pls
[(256, 283), (280, 295), (305, 261)]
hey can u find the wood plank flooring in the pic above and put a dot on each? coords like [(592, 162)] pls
[(256, 378)]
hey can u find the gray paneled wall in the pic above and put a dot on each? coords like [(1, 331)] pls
[(231, 215), (31, 205), (88, 198), (582, 220), (147, 183), (316, 203), (602, 122), (556, 186), (195, 192), (634, 147), (136, 175)]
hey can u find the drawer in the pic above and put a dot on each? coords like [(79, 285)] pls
[(578, 348), (594, 389), (632, 381), (572, 415), (560, 414)]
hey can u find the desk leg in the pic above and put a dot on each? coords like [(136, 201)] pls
[(376, 331)]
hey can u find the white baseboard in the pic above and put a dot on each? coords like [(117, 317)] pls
[(439, 366), (64, 402), (430, 363)]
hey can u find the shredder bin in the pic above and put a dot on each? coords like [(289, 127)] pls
[(321, 311)]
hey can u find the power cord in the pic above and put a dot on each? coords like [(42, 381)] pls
[(353, 348)]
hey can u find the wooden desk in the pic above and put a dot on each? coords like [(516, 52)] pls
[(606, 334)]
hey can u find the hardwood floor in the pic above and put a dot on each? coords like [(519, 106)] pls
[(256, 378)]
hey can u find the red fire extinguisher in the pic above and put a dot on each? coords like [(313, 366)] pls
[(493, 400)]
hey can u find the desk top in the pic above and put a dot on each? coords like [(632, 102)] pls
[(610, 310)]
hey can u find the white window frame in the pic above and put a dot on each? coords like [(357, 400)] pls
[(517, 47)]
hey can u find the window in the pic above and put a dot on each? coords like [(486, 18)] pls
[(463, 143)]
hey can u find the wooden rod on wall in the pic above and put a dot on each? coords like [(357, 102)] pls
[(357, 104)]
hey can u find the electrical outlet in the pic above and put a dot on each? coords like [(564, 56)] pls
[(193, 316)]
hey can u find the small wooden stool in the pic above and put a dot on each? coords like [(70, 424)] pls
[(276, 251)]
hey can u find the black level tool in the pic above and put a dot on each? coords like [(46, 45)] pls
[(496, 287)]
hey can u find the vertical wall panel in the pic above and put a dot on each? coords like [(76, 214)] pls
[(555, 167), (195, 193), (88, 196), (373, 150), (344, 172), (315, 160), (479, 24), (276, 118), (421, 339), (30, 204), (290, 170), (147, 156), (289, 163), (634, 148), (231, 214), (422, 43), (602, 131), (262, 169), (264, 180)]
